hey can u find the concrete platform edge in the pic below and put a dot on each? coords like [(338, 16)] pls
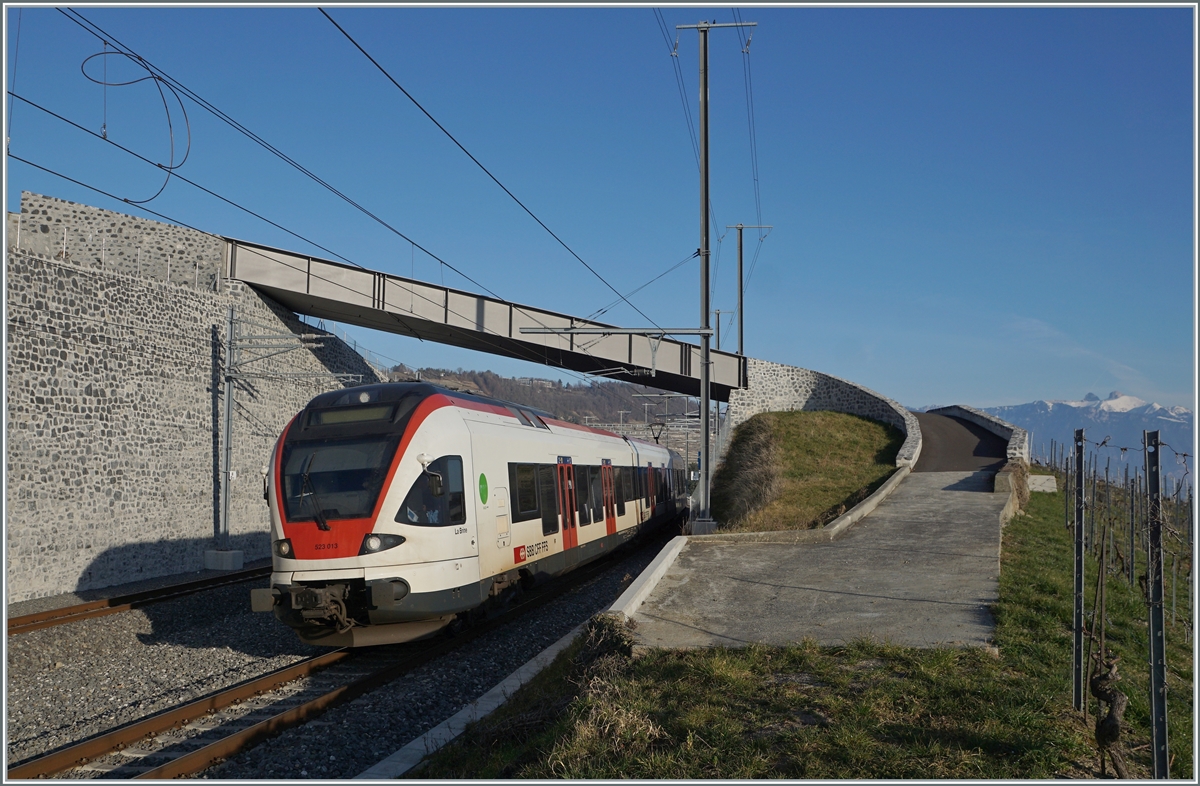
[(829, 532), (414, 752), (641, 588)]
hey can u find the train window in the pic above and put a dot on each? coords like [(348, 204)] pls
[(548, 497), (597, 493), (522, 479), (581, 494), (423, 509), (342, 477), (619, 489)]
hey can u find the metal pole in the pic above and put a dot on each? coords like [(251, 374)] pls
[(1077, 661), (227, 462), (741, 321), (1132, 529), (705, 348), (1158, 642)]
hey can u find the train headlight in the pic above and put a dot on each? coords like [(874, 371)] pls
[(283, 548), (375, 542)]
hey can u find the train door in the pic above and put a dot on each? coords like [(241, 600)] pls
[(610, 498), (566, 502)]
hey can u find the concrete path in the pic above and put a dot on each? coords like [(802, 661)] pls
[(949, 444), (920, 570)]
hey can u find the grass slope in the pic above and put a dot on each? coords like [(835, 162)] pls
[(868, 710), (799, 470)]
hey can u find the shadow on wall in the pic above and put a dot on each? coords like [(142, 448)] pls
[(132, 562)]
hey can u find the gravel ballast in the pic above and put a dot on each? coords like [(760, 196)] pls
[(73, 681), (349, 739)]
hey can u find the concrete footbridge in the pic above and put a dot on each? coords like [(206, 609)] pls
[(381, 301)]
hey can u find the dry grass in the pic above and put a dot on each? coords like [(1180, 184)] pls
[(867, 710), (800, 470)]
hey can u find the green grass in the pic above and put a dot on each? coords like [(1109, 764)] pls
[(868, 710), (799, 470)]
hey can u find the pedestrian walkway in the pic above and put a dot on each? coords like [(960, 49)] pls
[(921, 570)]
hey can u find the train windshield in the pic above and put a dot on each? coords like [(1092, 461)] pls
[(329, 479)]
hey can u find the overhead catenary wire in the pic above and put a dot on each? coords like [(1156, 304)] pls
[(672, 51), (166, 79), (486, 171), (13, 86), (158, 83), (103, 35), (631, 293), (192, 183), (752, 128)]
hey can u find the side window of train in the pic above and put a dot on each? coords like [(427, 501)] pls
[(547, 495), (523, 480), (596, 486), (581, 494), (422, 508), (619, 489)]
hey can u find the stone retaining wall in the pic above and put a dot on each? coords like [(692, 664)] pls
[(114, 405), (774, 387), (95, 239)]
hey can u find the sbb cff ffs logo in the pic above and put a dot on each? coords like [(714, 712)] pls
[(522, 553)]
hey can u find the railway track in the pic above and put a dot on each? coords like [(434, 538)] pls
[(190, 738), (100, 608)]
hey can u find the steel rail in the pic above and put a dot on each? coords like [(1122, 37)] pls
[(194, 761), (82, 752), (201, 758), (100, 608)]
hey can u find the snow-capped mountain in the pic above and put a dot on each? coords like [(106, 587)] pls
[(1121, 418)]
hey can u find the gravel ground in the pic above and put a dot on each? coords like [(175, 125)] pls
[(347, 740), (73, 681)]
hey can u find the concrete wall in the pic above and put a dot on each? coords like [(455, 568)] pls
[(1018, 438), (774, 387), (114, 400)]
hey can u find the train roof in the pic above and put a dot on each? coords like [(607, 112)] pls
[(394, 391), (384, 392)]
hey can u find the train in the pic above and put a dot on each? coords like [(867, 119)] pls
[(400, 508)]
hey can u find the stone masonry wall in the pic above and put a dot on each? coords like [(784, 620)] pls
[(774, 387), (96, 239), (114, 407), (1018, 438)]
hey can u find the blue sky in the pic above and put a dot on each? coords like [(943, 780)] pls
[(977, 205)]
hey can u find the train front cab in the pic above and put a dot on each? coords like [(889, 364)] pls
[(375, 539)]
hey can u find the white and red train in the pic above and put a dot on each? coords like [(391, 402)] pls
[(397, 507)]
